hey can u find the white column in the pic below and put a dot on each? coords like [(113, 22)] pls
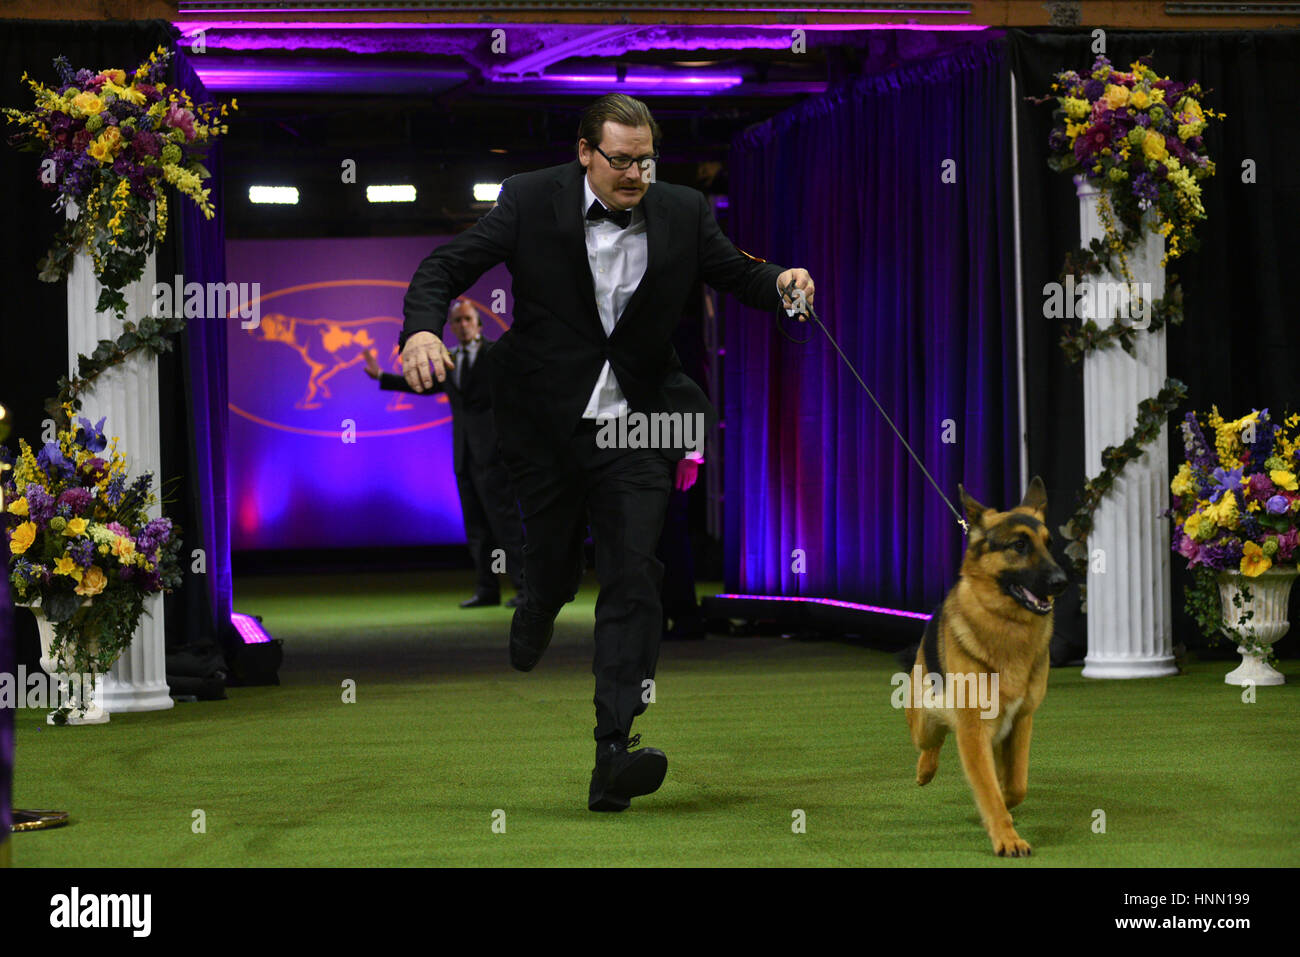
[(1129, 612), (128, 395)]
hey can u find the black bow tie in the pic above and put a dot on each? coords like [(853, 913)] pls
[(621, 217)]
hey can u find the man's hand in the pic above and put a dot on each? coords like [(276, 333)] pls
[(423, 350), (687, 471), (372, 364), (803, 283)]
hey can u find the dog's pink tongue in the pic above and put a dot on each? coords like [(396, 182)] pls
[(1032, 597)]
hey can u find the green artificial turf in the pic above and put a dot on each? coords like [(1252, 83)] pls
[(443, 734)]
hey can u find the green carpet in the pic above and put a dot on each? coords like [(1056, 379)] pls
[(443, 734)]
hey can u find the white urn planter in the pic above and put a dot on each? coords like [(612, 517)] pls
[(1269, 593), (1129, 601), (87, 702)]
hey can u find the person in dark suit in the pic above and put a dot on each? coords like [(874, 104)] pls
[(603, 257), (486, 499)]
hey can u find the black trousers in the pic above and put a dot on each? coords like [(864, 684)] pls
[(622, 495), (487, 502)]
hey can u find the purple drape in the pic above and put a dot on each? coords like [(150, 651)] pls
[(7, 667), (894, 191), (204, 261)]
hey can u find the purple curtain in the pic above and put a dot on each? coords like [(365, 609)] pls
[(8, 666), (894, 191), (204, 351)]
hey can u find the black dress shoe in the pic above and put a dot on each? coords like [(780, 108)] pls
[(621, 774), (481, 601), (530, 633), (514, 602)]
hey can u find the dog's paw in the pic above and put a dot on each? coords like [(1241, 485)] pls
[(926, 765), (1011, 844)]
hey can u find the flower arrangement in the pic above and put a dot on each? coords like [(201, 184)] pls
[(81, 542), (112, 142), (1235, 503), (1138, 137)]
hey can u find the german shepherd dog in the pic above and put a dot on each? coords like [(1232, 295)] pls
[(994, 625)]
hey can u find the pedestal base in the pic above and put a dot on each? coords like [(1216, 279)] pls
[(1158, 666), (1253, 671)]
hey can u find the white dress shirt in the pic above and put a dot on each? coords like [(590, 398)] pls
[(618, 259)]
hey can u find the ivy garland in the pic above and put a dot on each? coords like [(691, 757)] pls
[(150, 335), (1153, 413)]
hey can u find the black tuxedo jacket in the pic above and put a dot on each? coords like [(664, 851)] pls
[(473, 434), (544, 368)]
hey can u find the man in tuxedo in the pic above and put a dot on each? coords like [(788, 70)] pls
[(487, 501), (603, 257)]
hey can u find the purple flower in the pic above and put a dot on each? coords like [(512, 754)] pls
[(1227, 482), (51, 459), (146, 143), (40, 505), (1142, 120), (1277, 505), (1261, 488), (77, 499), (1198, 450), (1287, 543), (1096, 138), (1094, 89), (82, 552), (1224, 553), (91, 437), (113, 491), (1145, 189), (1186, 546)]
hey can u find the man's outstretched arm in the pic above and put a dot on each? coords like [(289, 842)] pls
[(751, 280), (444, 274)]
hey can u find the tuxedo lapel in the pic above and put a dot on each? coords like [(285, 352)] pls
[(569, 217), (656, 227)]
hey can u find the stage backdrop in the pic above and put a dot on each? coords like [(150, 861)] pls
[(894, 192), (320, 457)]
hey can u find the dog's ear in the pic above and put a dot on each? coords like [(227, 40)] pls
[(1035, 496), (974, 510)]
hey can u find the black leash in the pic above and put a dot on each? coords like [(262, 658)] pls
[(789, 293)]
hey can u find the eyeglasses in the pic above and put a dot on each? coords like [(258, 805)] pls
[(623, 162)]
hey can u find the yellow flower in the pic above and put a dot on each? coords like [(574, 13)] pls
[(1153, 145), (1253, 560), (93, 581), (1139, 99), (124, 549), (86, 104), (1075, 108), (1284, 478), (23, 537), (1182, 483), (1115, 96), (17, 507), (99, 150), (1199, 527), (1224, 512), (66, 566), (117, 77), (75, 526)]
